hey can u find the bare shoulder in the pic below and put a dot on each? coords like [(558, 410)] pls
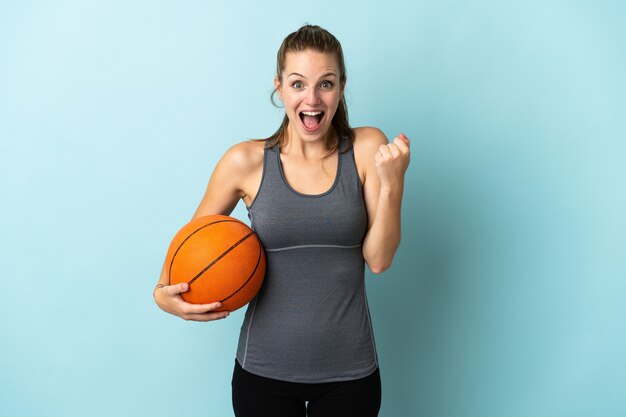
[(367, 137), (234, 178), (241, 169), (244, 157), (368, 134), (367, 140)]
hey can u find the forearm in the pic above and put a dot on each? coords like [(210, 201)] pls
[(383, 238)]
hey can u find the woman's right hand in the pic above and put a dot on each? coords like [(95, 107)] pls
[(169, 299)]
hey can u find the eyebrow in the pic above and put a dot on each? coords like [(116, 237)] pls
[(329, 73)]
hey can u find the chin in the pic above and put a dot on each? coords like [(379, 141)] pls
[(313, 136)]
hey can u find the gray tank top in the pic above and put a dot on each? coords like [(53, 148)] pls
[(310, 321)]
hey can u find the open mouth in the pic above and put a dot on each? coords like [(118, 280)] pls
[(311, 120)]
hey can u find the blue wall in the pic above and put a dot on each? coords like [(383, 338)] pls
[(507, 295)]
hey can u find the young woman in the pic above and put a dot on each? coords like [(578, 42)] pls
[(324, 199)]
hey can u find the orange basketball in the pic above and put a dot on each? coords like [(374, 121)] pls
[(220, 257)]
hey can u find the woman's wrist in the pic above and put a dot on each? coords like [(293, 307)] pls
[(156, 288), (395, 190)]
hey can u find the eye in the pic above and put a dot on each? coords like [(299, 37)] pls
[(326, 84), (297, 85)]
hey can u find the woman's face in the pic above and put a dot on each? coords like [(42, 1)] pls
[(310, 90)]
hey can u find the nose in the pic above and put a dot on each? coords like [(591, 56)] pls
[(313, 96)]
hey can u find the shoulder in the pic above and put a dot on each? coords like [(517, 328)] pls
[(244, 157), (367, 140), (367, 137), (232, 177), (369, 134)]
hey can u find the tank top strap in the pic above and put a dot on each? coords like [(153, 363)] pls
[(271, 168), (346, 170), (349, 173), (272, 184)]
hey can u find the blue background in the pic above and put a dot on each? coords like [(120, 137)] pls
[(507, 296)]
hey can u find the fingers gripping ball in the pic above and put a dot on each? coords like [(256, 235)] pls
[(220, 258)]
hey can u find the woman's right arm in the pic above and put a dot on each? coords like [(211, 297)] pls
[(223, 192)]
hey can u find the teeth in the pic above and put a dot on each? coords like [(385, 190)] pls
[(311, 113)]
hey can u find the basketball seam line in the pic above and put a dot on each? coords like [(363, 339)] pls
[(169, 272), (258, 261), (220, 257)]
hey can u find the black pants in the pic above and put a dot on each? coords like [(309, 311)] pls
[(257, 396)]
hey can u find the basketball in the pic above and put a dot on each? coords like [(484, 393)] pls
[(220, 258)]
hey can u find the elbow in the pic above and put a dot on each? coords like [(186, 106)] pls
[(379, 268), (381, 263)]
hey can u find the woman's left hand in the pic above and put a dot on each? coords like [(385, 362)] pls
[(392, 161)]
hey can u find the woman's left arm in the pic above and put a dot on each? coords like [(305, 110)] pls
[(385, 165)]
